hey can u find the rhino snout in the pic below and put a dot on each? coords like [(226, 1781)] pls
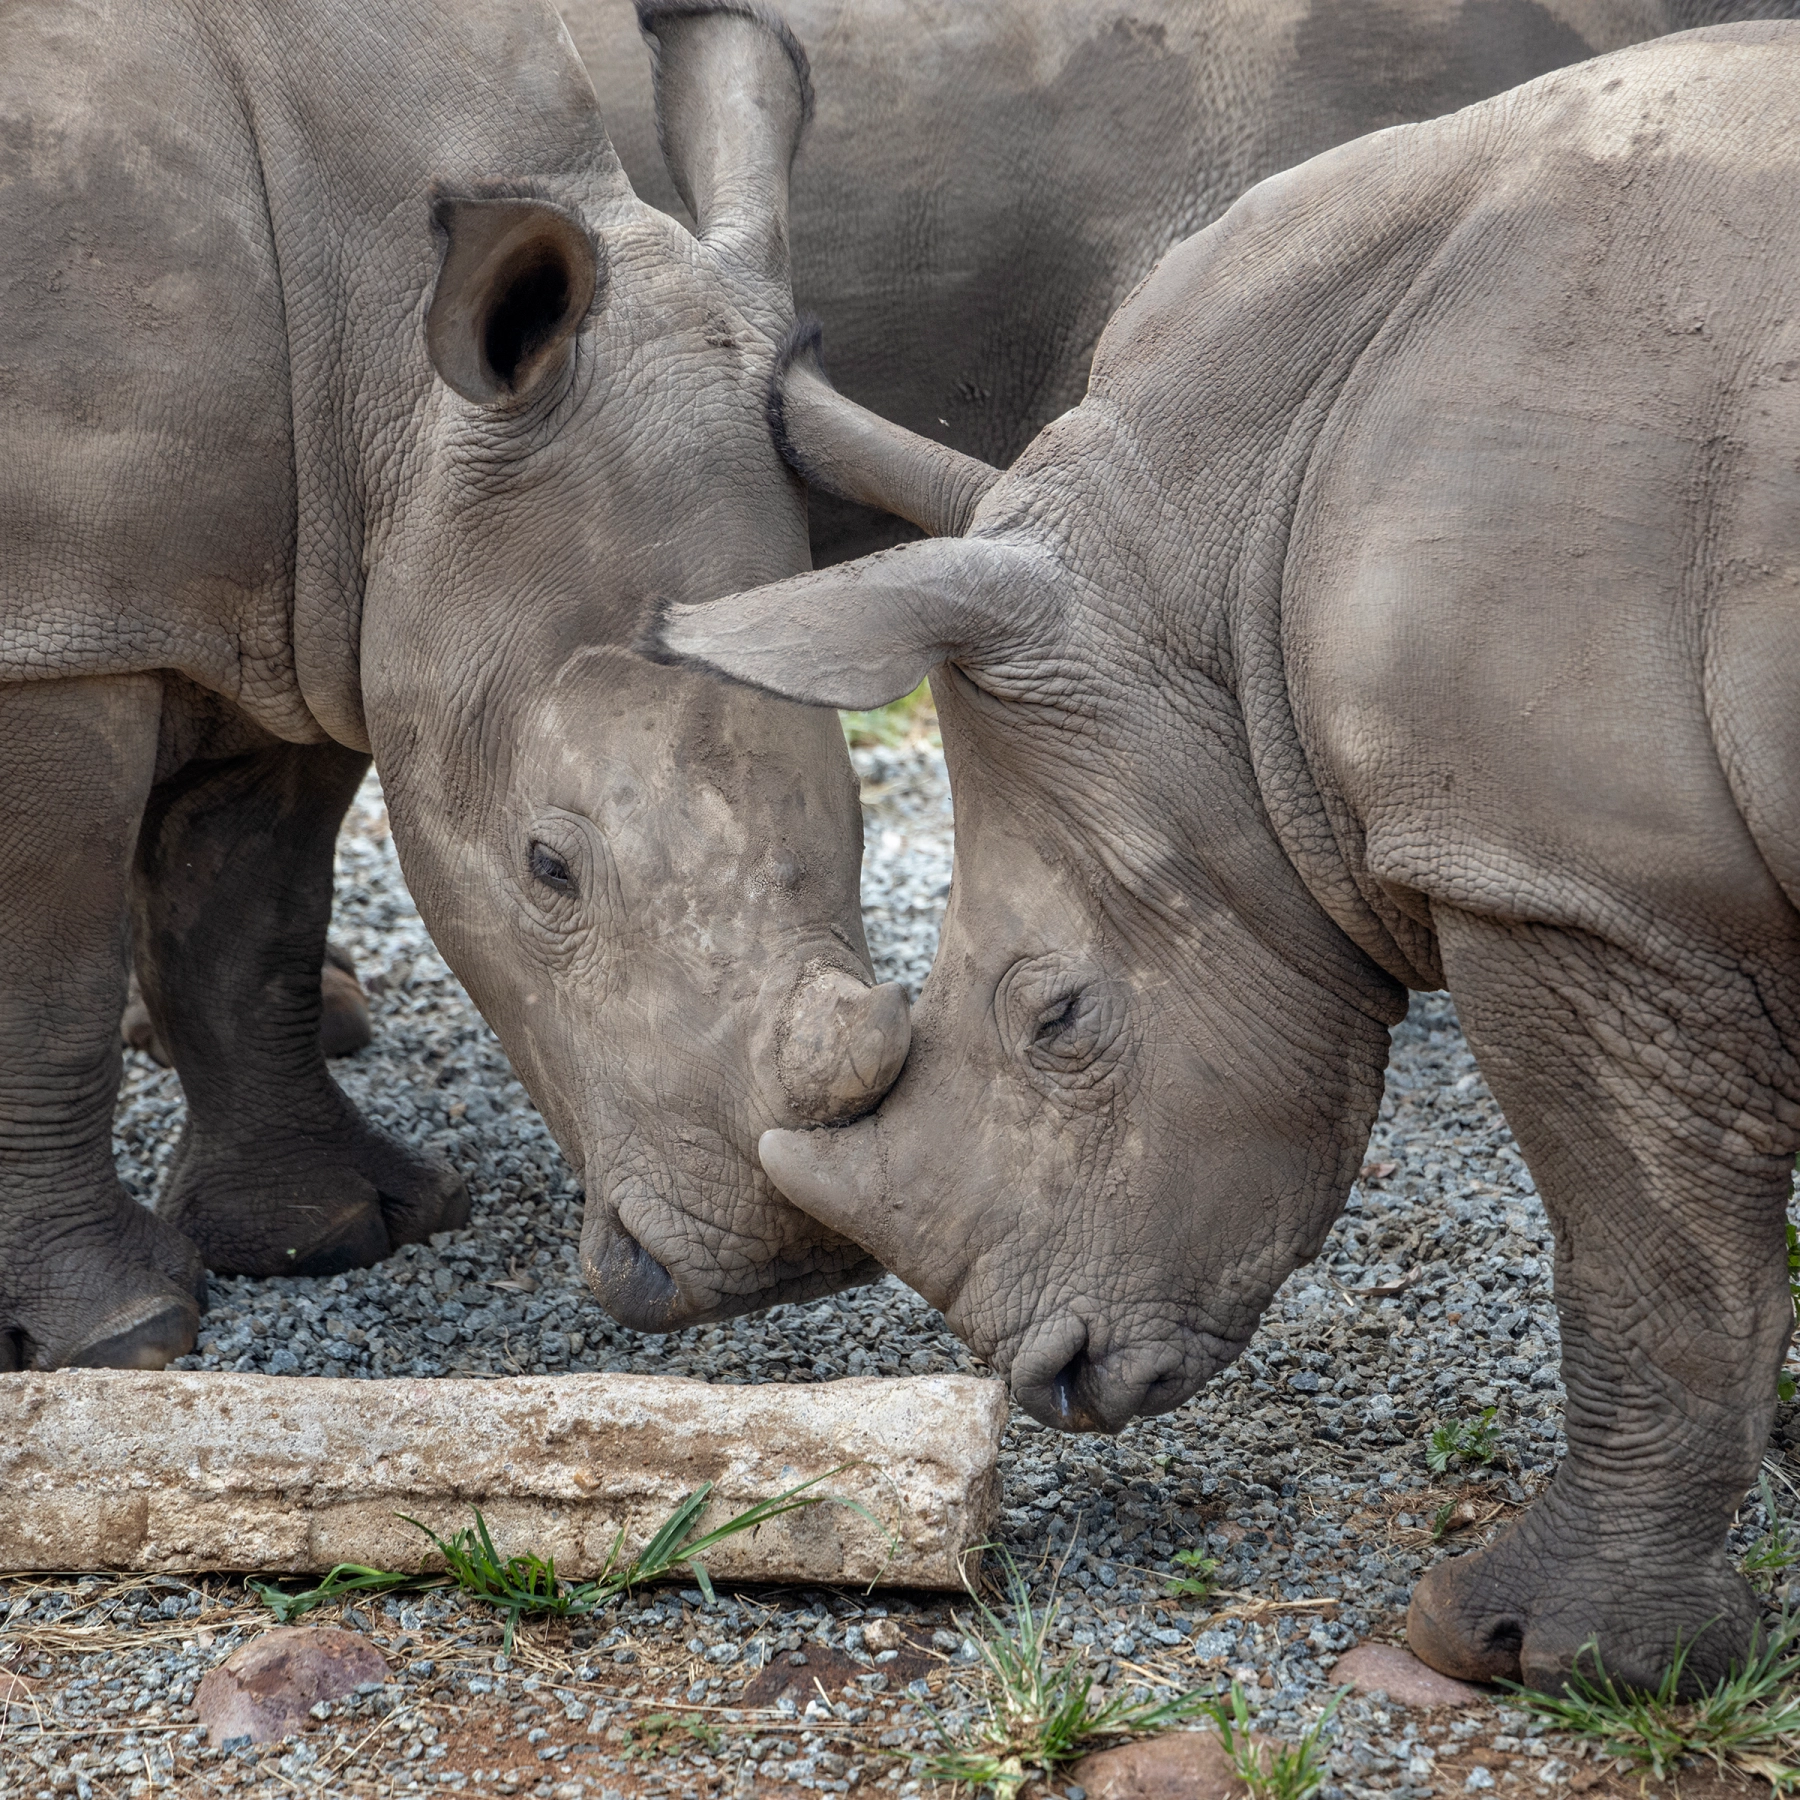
[(842, 1044), (1063, 1380), (625, 1278)]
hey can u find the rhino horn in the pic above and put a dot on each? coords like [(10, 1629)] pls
[(842, 1044), (733, 98), (834, 444), (863, 633)]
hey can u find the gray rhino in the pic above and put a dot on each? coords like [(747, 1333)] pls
[(982, 185), (1413, 602), (979, 190), (356, 404)]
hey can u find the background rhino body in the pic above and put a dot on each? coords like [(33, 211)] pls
[(251, 534), (1413, 601), (983, 184)]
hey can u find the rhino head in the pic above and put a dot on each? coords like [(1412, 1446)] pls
[(647, 884), (1146, 1063)]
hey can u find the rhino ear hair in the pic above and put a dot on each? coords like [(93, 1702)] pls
[(733, 98), (517, 279), (860, 634)]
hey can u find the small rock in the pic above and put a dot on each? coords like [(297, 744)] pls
[(271, 1685), (1182, 1765), (1387, 1668)]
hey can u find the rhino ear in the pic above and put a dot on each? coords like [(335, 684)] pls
[(863, 633), (834, 444), (517, 279), (733, 96)]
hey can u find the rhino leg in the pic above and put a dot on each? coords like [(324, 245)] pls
[(87, 1276), (1634, 1094), (276, 1172), (344, 1026)]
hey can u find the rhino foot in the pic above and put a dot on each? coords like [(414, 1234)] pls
[(310, 1204), (344, 1026), (1529, 1609), (125, 1296)]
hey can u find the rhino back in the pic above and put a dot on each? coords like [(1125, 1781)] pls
[(1540, 613), (982, 185), (145, 448)]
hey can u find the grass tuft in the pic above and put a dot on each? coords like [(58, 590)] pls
[(1040, 1714), (528, 1586), (1277, 1771), (1749, 1722), (1200, 1575), (675, 1733), (1475, 1440), (1776, 1551)]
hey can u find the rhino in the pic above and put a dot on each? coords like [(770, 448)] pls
[(1413, 602), (357, 406), (981, 186), (978, 192)]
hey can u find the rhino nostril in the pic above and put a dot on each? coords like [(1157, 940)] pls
[(627, 1280), (1075, 1392)]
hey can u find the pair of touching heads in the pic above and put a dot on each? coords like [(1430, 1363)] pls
[(1126, 1114), (647, 881)]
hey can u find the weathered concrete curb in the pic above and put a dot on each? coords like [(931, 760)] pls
[(119, 1469)]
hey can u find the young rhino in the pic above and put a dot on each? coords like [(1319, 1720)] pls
[(1413, 602), (356, 404)]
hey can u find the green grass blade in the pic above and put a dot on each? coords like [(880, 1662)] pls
[(340, 1580), (660, 1553)]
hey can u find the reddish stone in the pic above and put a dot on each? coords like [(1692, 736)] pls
[(1389, 1669), (266, 1688), (833, 1671), (1180, 1765)]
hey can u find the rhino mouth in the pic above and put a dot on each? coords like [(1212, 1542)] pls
[(1062, 1379), (642, 1291), (626, 1279)]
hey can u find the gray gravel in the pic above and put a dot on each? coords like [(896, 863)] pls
[(1302, 1470)]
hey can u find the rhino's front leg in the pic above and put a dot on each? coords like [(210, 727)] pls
[(276, 1173), (87, 1276), (1635, 1094)]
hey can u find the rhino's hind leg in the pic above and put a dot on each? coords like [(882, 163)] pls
[(344, 1026), (87, 1276), (276, 1173), (1637, 1095)]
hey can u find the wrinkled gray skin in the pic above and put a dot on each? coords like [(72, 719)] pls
[(983, 184), (1414, 601), (355, 403)]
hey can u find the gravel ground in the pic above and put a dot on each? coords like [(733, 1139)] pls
[(1302, 1470)]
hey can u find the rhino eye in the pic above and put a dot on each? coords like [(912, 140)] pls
[(1067, 1032), (550, 869), (1063, 1017)]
